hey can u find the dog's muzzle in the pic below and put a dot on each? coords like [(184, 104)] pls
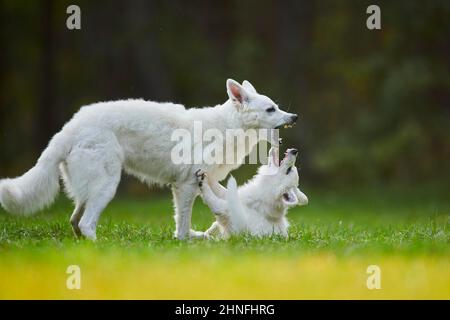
[(289, 123)]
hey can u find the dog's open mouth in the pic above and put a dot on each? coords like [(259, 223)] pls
[(286, 125)]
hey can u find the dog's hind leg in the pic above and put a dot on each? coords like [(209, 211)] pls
[(75, 219), (79, 206), (96, 203), (183, 197), (93, 170)]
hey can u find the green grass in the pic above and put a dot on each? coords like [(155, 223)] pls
[(331, 243)]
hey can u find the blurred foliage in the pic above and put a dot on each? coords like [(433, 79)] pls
[(374, 105)]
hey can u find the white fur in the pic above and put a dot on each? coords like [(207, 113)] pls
[(134, 135), (257, 208)]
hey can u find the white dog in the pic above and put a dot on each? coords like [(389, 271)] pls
[(134, 135), (260, 206)]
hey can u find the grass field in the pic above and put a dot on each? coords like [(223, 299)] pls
[(332, 241)]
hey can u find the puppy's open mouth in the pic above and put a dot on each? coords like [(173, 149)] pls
[(289, 156), (277, 159)]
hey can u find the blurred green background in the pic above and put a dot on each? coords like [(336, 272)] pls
[(373, 135), (374, 105)]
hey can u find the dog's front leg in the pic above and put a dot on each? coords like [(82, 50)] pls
[(219, 190), (217, 205), (183, 196)]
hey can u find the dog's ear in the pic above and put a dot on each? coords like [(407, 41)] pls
[(274, 158), (248, 86), (236, 92)]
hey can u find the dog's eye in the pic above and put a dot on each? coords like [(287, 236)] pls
[(288, 170), (271, 109)]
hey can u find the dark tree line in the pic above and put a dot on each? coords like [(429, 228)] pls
[(374, 105)]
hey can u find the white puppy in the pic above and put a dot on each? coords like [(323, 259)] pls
[(104, 138), (259, 207)]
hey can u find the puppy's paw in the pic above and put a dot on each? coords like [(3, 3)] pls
[(201, 176)]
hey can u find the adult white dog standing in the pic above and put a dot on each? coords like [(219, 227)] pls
[(134, 135)]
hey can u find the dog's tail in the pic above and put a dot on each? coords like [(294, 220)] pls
[(235, 209), (38, 187)]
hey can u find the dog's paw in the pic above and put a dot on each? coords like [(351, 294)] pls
[(88, 231), (201, 176), (197, 234)]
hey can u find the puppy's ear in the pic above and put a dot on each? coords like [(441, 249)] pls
[(274, 158), (248, 86), (236, 92)]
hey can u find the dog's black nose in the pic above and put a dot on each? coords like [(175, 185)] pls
[(294, 151), (294, 118)]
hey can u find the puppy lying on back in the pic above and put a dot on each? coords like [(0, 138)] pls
[(259, 207)]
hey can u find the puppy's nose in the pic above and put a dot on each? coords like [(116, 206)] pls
[(294, 118), (293, 151)]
